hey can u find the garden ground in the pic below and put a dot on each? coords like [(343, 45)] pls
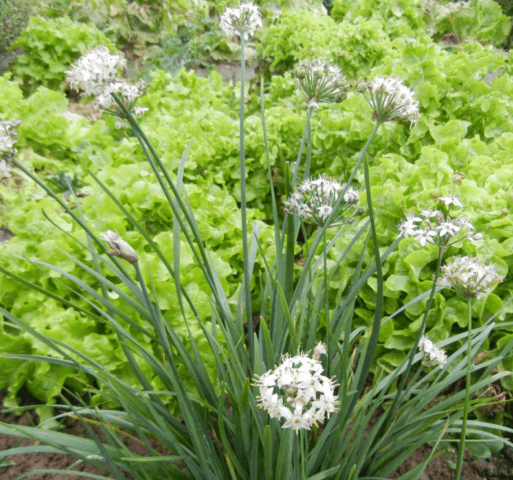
[(498, 467)]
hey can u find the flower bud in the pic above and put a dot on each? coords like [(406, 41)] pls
[(120, 248)]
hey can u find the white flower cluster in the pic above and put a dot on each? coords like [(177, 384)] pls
[(5, 169), (127, 90), (120, 248), (314, 200), (321, 82), (437, 228), (390, 100), (96, 74), (241, 20), (469, 276), (304, 396), (8, 137), (433, 355)]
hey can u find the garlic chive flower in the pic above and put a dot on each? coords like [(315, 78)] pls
[(470, 277), (8, 136), (298, 392), (433, 226), (451, 200), (95, 69), (96, 74), (320, 349), (5, 169), (314, 201), (433, 355), (321, 83), (242, 20), (390, 100), (120, 248)]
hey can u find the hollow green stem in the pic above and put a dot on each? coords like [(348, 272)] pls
[(291, 230), (362, 155), (373, 340), (306, 136), (422, 328), (296, 457), (289, 258), (302, 434), (326, 285), (245, 253), (154, 315), (461, 451)]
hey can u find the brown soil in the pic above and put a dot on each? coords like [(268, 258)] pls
[(19, 464), (499, 467)]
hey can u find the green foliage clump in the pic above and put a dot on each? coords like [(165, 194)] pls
[(304, 35), (507, 9), (135, 24), (195, 44), (50, 47), (482, 21), (14, 16), (397, 17)]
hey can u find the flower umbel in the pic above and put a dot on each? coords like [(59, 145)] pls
[(121, 248), (95, 74), (242, 20), (470, 277), (8, 136), (321, 83), (5, 169), (390, 100), (433, 226), (314, 201), (433, 355), (304, 396)]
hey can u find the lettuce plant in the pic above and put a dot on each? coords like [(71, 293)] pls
[(397, 17), (482, 21), (50, 47), (295, 35)]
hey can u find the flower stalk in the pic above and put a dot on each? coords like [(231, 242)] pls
[(243, 207), (461, 450)]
